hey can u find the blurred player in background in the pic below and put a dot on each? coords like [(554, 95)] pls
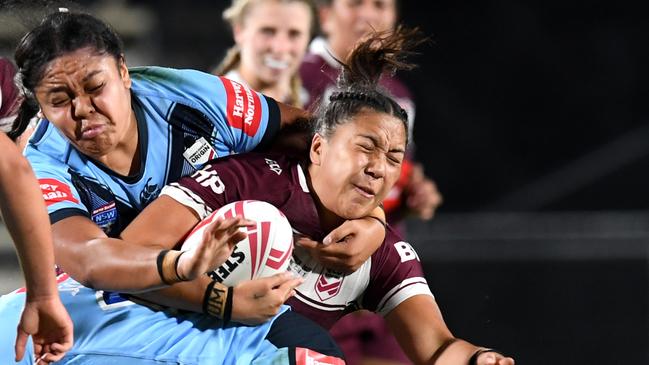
[(343, 24), (43, 317), (271, 38)]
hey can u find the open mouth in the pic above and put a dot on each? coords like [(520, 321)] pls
[(275, 63)]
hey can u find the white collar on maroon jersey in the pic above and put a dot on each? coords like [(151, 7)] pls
[(320, 47), (302, 178)]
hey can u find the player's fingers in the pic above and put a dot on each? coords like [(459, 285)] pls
[(65, 343), (340, 233), (306, 242), (236, 238), (278, 279), (288, 288), (52, 357), (21, 341)]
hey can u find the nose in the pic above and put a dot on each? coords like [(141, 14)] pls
[(82, 107), (369, 13), (280, 44), (376, 166)]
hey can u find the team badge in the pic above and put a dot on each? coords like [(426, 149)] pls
[(327, 286)]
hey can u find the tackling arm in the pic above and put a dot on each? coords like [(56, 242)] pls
[(419, 328)]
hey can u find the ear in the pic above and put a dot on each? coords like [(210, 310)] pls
[(315, 152), (123, 72), (237, 33)]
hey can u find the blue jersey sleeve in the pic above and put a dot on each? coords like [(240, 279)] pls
[(61, 197), (243, 119)]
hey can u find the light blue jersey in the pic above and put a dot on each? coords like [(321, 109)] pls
[(109, 330), (184, 118)]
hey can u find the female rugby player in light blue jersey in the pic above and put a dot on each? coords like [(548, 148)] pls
[(110, 139)]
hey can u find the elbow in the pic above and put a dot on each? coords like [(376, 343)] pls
[(76, 264)]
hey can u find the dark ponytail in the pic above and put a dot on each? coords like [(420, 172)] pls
[(358, 87), (28, 110)]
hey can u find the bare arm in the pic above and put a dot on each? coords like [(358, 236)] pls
[(425, 338), (97, 261), (23, 210)]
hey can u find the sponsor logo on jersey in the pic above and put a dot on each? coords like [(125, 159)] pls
[(243, 107), (274, 166), (149, 192), (55, 191), (327, 286), (105, 215), (199, 153), (210, 179), (310, 357), (405, 251)]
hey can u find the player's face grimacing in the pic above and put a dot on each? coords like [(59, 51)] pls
[(353, 169), (86, 95)]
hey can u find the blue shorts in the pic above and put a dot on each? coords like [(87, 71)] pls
[(109, 329)]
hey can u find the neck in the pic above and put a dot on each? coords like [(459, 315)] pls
[(338, 48), (328, 219), (280, 90)]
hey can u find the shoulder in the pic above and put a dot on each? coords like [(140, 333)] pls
[(260, 166), (48, 146), (170, 82)]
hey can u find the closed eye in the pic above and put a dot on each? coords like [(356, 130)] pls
[(95, 88)]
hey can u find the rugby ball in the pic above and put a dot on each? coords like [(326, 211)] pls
[(266, 250)]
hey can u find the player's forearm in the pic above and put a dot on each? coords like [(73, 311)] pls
[(456, 352), (186, 295), (24, 212), (117, 265)]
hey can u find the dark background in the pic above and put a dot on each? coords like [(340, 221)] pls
[(521, 105), (532, 119)]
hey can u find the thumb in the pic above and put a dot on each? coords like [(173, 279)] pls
[(21, 341), (337, 234)]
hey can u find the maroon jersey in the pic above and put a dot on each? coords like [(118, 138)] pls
[(391, 275)]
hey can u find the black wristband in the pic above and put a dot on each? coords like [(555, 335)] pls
[(474, 358), (158, 262), (227, 312), (378, 220)]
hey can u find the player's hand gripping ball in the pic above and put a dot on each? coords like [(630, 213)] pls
[(265, 252)]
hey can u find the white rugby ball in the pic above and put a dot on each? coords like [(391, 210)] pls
[(265, 252)]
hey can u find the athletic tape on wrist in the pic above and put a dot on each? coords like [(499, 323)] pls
[(167, 263), (215, 300)]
